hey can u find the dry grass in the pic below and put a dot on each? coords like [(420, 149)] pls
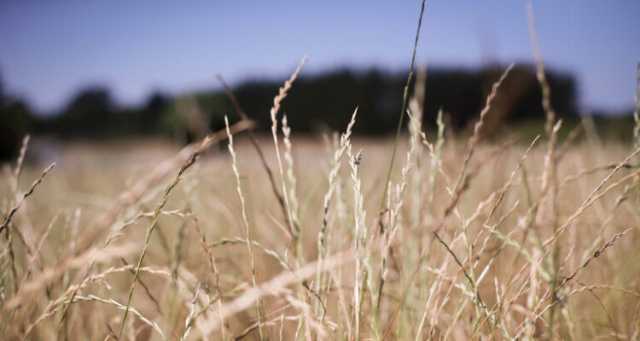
[(462, 240), (488, 272)]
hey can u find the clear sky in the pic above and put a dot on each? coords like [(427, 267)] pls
[(51, 49)]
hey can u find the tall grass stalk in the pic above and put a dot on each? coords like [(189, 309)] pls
[(403, 109), (294, 229), (247, 229), (322, 245), (359, 239)]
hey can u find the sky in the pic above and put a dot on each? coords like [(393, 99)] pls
[(51, 49)]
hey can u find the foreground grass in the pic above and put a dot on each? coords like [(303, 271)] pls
[(495, 258)]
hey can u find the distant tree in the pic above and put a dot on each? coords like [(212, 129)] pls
[(151, 115), (89, 113), (1, 90), (15, 121)]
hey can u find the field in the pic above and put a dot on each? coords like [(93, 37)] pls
[(469, 240), (425, 235), (438, 232)]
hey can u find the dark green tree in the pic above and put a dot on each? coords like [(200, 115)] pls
[(89, 114)]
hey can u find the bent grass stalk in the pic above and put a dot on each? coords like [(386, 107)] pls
[(149, 232), (204, 144)]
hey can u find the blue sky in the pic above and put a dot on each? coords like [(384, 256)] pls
[(51, 49)]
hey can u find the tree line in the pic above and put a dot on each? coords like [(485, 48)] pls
[(323, 101)]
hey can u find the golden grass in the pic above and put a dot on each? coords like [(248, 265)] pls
[(487, 272), (463, 240)]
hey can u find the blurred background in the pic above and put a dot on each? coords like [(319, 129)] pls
[(77, 71)]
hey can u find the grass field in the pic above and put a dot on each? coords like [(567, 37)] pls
[(505, 245), (421, 236)]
